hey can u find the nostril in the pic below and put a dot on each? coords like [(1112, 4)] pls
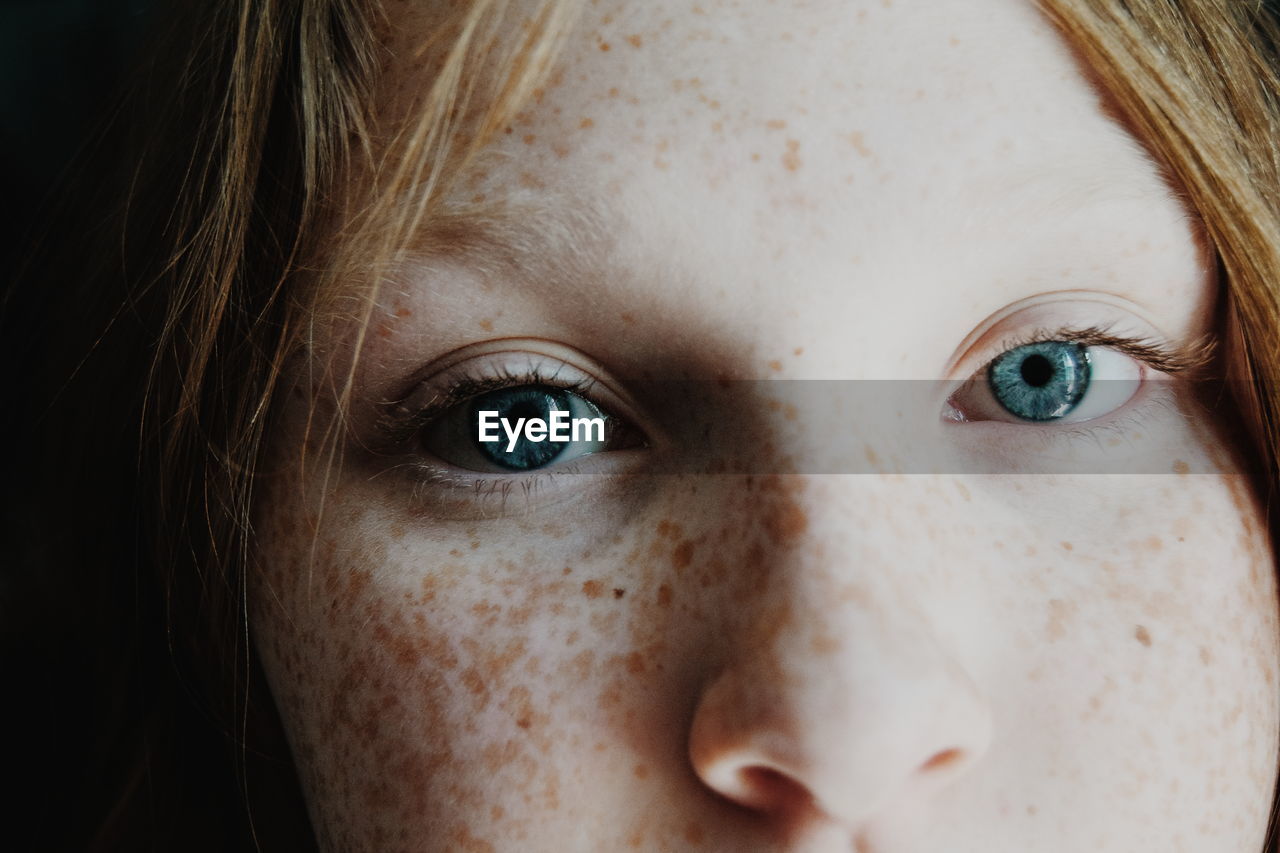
[(772, 790), (945, 758)]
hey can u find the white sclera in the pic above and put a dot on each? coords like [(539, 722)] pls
[(1113, 380)]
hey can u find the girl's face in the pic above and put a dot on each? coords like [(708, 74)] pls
[(481, 649)]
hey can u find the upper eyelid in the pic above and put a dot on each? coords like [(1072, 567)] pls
[(1162, 356), (400, 419)]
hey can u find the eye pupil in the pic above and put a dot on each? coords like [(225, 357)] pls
[(1042, 381), (1037, 370)]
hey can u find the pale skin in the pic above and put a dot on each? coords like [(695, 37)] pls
[(870, 662)]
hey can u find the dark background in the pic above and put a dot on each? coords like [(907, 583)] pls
[(61, 61), (62, 65)]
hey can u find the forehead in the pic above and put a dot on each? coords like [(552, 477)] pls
[(815, 159)]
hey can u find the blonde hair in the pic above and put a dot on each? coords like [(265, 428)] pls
[(245, 177)]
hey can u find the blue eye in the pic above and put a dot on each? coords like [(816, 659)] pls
[(523, 402), (1042, 381), (522, 428)]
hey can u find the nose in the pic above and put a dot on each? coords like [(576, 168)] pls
[(838, 699)]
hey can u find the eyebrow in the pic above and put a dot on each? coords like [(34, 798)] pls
[(1083, 182), (554, 237)]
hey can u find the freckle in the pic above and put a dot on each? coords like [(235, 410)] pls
[(605, 46), (664, 596), (1067, 546), (496, 812), (635, 663), (775, 365), (475, 544), (825, 644), (1059, 613), (627, 318), (855, 139), (964, 492), (384, 332), (791, 160), (1206, 657), (641, 771), (474, 682), (682, 555), (786, 524), (755, 158), (487, 325), (634, 40), (529, 138), (613, 93), (873, 458), (403, 312), (571, 639), (618, 593), (610, 697), (1180, 467), (1142, 635), (1153, 543), (775, 124), (694, 833), (397, 531), (1031, 810), (454, 552), (566, 571), (592, 589), (798, 351)]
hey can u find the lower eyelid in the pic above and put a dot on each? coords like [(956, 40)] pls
[(1106, 444), (453, 493)]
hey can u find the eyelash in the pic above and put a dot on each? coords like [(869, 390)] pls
[(402, 425), (1154, 353), (1183, 362)]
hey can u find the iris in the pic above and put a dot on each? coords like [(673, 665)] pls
[(1042, 381), (513, 404)]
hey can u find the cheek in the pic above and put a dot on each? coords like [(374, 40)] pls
[(488, 682), (518, 679), (1146, 649)]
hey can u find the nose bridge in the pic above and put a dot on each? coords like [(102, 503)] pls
[(850, 546), (822, 426), (837, 681)]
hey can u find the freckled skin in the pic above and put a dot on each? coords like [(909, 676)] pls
[(876, 662)]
